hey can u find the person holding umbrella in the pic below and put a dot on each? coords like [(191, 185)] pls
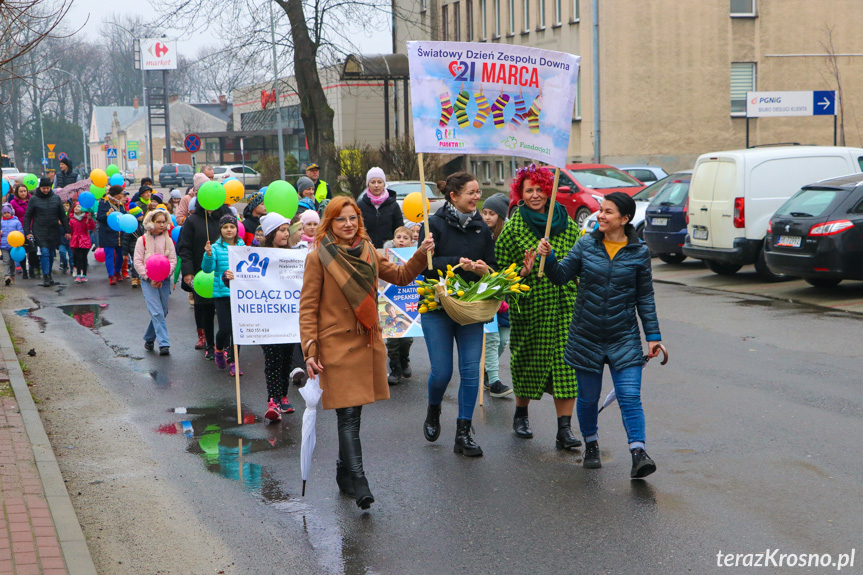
[(540, 322), (615, 284), (340, 332)]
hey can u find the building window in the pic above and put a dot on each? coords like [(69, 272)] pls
[(456, 22), (744, 8), (486, 171), (474, 167), (497, 18), (444, 22), (742, 80), (468, 7), (576, 13), (526, 15), (511, 27), (540, 14), (424, 5), (558, 9), (482, 18), (500, 174)]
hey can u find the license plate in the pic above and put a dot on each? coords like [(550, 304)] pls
[(789, 241), (699, 234), (659, 221)]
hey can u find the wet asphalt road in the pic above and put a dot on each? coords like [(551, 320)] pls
[(754, 424)]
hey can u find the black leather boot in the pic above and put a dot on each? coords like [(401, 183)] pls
[(405, 358), (431, 426), (591, 455), (520, 424), (343, 478), (565, 438), (352, 452), (642, 464), (395, 376), (464, 443)]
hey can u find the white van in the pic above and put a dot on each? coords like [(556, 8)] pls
[(733, 195)]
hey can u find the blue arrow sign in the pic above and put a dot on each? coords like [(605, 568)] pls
[(823, 103), (112, 153)]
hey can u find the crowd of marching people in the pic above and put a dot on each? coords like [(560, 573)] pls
[(582, 313)]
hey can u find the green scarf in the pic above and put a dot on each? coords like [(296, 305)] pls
[(536, 221), (355, 269)]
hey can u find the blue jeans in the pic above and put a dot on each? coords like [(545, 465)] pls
[(627, 386), (65, 256), (495, 344), (47, 255), (157, 305), (114, 261), (440, 331)]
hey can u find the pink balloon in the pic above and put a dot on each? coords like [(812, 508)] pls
[(99, 255), (158, 267), (241, 231)]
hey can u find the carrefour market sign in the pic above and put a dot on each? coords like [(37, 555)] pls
[(158, 54), (775, 104)]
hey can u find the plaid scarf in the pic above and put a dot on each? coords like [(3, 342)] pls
[(356, 271)]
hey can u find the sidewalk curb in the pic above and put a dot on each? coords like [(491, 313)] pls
[(76, 554)]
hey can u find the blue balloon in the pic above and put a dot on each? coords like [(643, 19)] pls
[(175, 233), (128, 223), (18, 254), (114, 221), (116, 180), (263, 190), (86, 200), (5, 186), (174, 219)]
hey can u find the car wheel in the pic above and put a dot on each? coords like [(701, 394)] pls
[(581, 216), (672, 258), (764, 272), (823, 282), (721, 268)]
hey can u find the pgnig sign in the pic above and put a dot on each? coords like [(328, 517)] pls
[(776, 104)]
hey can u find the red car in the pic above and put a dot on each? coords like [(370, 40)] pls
[(581, 187)]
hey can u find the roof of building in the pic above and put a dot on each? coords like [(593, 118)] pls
[(104, 115), (215, 109)]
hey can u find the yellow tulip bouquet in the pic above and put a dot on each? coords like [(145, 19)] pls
[(470, 302)]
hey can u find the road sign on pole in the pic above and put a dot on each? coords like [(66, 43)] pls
[(112, 153), (50, 155), (132, 154), (192, 143), (44, 161), (51, 147), (62, 156)]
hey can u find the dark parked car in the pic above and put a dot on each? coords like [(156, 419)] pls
[(175, 175), (817, 234), (665, 219)]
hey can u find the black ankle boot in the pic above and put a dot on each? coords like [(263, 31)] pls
[(591, 455), (520, 424), (343, 478), (395, 376), (464, 443), (352, 453), (431, 426), (405, 362), (565, 438), (642, 464)]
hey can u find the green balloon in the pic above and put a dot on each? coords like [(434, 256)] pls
[(203, 284), (31, 181), (281, 198), (112, 169), (97, 192), (211, 196)]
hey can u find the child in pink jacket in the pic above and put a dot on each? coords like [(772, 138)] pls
[(81, 224)]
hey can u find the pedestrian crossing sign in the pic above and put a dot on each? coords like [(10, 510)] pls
[(112, 153)]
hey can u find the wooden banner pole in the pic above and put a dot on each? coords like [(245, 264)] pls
[(237, 377), (551, 207), (425, 203)]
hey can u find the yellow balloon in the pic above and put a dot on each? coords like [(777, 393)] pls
[(99, 178), (234, 191), (15, 239), (413, 208)]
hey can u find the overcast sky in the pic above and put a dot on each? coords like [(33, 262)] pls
[(189, 42)]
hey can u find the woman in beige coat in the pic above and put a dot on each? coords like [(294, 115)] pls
[(340, 331)]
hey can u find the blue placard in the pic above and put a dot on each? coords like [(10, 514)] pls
[(192, 143), (133, 154), (112, 153), (823, 103)]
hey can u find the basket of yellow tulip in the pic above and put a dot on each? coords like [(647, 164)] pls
[(470, 302)]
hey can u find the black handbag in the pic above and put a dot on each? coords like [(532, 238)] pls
[(30, 246)]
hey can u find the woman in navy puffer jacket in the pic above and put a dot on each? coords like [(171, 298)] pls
[(615, 285)]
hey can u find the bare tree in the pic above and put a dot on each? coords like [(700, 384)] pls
[(24, 24), (833, 71)]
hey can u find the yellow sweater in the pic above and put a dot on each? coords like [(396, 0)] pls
[(613, 247)]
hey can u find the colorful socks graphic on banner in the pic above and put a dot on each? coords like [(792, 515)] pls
[(461, 108), (446, 109), (483, 110), (520, 113), (533, 115), (497, 110)]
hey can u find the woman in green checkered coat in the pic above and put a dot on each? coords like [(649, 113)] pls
[(541, 321)]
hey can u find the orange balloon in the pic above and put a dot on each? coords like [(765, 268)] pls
[(99, 178), (15, 239), (234, 191), (413, 208)]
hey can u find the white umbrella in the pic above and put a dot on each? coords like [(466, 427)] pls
[(613, 396), (311, 392)]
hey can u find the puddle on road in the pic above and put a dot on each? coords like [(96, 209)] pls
[(29, 313), (90, 315)]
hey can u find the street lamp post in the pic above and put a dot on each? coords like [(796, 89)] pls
[(81, 117)]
